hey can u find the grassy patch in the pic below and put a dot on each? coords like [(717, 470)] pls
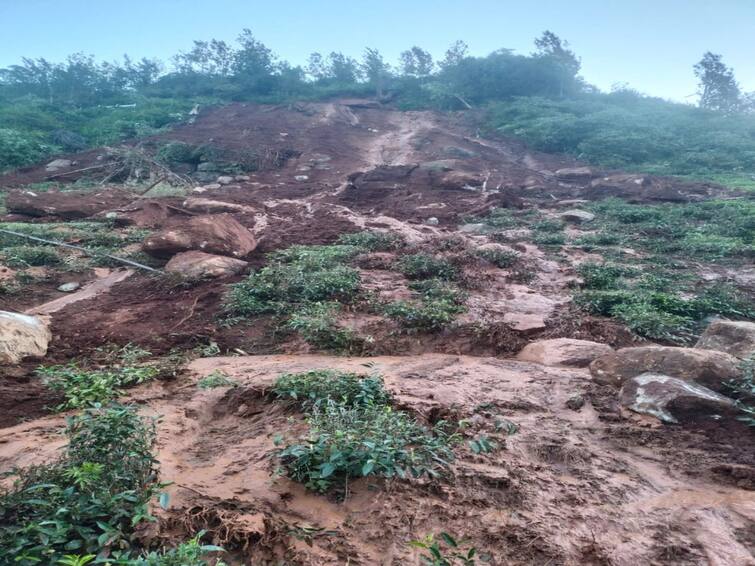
[(316, 323), (423, 266), (499, 257), (437, 306), (372, 241)]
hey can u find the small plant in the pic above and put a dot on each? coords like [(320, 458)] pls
[(548, 226), (432, 316), (499, 257), (550, 239), (314, 388), (372, 241), (422, 266), (85, 388), (482, 444), (351, 442), (316, 323), (216, 379), (439, 556), (602, 275)]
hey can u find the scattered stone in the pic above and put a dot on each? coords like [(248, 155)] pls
[(211, 186), (301, 177), (708, 367), (69, 205), (69, 287), (673, 400), (575, 402), (432, 221), (733, 337), (198, 190), (218, 234), (575, 174), (199, 265), (242, 178), (58, 164), (22, 336), (210, 206), (577, 216), (563, 352), (515, 234), (474, 228), (224, 180)]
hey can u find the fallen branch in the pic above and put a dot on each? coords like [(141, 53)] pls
[(79, 248), (100, 166)]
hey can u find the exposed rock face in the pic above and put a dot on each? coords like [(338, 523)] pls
[(708, 367), (210, 206), (735, 338), (58, 164), (563, 352), (575, 174), (576, 216), (199, 265), (673, 400), (217, 234), (22, 336), (70, 205)]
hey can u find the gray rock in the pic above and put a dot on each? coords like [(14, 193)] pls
[(58, 164), (69, 287), (22, 336), (563, 352), (710, 368), (432, 221), (474, 228), (208, 167), (673, 400), (199, 265), (224, 180), (575, 402), (577, 216), (733, 337)]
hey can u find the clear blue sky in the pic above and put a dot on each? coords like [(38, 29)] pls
[(650, 44)]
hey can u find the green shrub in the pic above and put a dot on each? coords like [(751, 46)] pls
[(651, 322), (428, 315), (372, 241), (29, 256), (85, 388), (216, 379), (177, 152), (602, 275), (499, 258), (347, 442), (548, 226), (278, 288), (550, 239), (314, 388), (316, 323), (423, 266), (93, 498), (19, 148)]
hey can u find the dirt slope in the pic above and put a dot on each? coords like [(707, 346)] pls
[(589, 486)]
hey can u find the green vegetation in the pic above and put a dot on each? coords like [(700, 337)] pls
[(499, 257), (20, 257), (91, 499), (439, 303), (316, 323), (743, 390), (216, 379), (86, 388), (354, 432), (372, 241), (445, 551), (423, 266), (315, 388)]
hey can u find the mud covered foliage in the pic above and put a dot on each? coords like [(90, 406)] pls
[(354, 432)]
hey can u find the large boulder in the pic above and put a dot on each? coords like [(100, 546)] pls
[(563, 352), (58, 164), (22, 336), (733, 337), (708, 367), (577, 216), (199, 265), (217, 234), (210, 206), (673, 400), (68, 205)]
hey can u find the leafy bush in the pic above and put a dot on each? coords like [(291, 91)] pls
[(350, 442), (216, 379), (29, 256), (499, 258), (423, 266), (85, 388), (602, 275), (316, 323), (91, 499), (432, 315), (550, 239), (372, 241), (315, 388), (18, 148), (177, 152), (439, 556)]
